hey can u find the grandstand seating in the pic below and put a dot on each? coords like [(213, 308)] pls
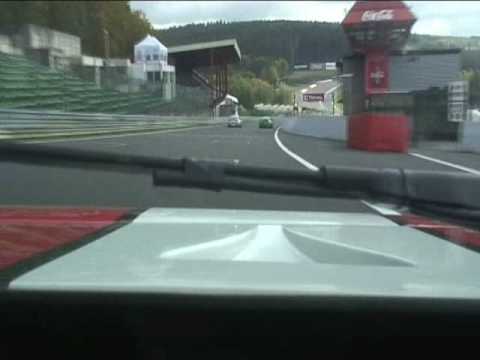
[(25, 84)]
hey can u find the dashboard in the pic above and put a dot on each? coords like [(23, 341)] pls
[(88, 325)]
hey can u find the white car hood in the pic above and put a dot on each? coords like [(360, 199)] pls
[(201, 251)]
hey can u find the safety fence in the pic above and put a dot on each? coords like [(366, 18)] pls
[(27, 124)]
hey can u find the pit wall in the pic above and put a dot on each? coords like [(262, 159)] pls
[(370, 132), (323, 127), (469, 136)]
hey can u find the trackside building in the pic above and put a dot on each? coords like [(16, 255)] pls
[(383, 84)]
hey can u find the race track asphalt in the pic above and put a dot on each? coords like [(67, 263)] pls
[(42, 186)]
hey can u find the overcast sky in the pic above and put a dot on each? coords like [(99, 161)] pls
[(457, 18)]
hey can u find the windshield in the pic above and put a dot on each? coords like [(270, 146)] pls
[(367, 84), (259, 107)]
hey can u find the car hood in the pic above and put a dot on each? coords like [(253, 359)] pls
[(208, 251)]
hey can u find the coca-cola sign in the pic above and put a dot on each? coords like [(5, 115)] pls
[(371, 15)]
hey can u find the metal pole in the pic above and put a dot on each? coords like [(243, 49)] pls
[(107, 44), (226, 78), (211, 88), (107, 51), (333, 102)]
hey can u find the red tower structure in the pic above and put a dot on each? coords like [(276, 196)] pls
[(374, 29)]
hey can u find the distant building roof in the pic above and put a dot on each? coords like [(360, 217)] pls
[(415, 52), (150, 40), (186, 57), (231, 98), (322, 87), (427, 51)]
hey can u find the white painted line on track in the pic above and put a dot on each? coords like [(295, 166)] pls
[(446, 163), (381, 209), (298, 158)]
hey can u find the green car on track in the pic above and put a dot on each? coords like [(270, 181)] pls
[(265, 123)]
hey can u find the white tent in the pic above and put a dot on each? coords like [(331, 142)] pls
[(229, 99), (150, 50)]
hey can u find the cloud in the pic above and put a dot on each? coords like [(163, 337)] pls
[(454, 18), (434, 17), (163, 13), (433, 26)]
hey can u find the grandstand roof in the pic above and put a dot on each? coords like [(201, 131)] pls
[(187, 57)]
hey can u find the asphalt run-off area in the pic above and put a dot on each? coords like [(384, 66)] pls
[(43, 186)]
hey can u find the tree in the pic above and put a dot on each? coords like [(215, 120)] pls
[(283, 95), (282, 67), (474, 85), (86, 19), (242, 90), (470, 59), (270, 75), (262, 91), (251, 91)]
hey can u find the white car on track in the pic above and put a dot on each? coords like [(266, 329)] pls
[(234, 121)]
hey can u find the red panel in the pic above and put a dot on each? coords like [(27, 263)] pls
[(25, 233), (457, 234), (379, 132), (367, 12), (376, 72)]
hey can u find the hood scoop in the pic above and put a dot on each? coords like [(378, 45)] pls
[(276, 243)]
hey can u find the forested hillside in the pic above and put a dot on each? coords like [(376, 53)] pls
[(86, 19), (299, 42)]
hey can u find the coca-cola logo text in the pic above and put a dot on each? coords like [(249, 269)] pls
[(371, 15)]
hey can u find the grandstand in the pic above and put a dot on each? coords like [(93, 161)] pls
[(25, 84)]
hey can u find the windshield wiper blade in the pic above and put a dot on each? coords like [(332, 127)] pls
[(406, 187)]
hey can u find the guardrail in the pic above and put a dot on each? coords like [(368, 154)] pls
[(6, 114), (25, 124)]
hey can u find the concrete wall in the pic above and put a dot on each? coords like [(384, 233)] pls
[(469, 136), (420, 72), (38, 37), (323, 127), (118, 62), (411, 72), (86, 60), (46, 57), (5, 44)]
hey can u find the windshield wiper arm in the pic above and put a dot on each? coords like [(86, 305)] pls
[(84, 159), (409, 187)]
